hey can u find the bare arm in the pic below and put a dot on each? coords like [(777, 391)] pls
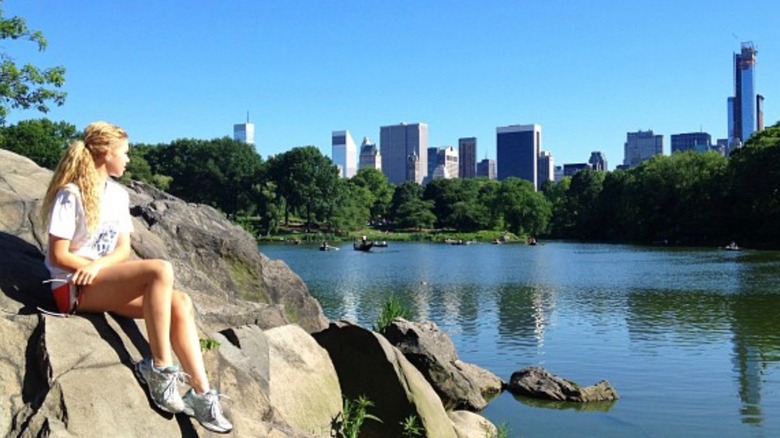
[(84, 269)]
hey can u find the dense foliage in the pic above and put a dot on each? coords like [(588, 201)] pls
[(26, 86)]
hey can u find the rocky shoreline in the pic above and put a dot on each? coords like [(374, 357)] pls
[(285, 367)]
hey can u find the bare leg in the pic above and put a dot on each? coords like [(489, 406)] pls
[(126, 288), (170, 322), (186, 344)]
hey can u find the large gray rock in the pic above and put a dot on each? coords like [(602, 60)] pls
[(460, 385), (367, 365), (470, 425), (539, 383), (66, 377), (216, 261), (304, 386)]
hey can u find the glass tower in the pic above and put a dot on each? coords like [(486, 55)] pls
[(517, 151), (744, 108)]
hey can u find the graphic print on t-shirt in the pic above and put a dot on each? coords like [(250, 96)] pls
[(103, 240)]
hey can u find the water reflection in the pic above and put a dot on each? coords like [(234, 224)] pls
[(690, 338), (601, 406)]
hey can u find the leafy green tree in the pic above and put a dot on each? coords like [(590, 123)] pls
[(457, 203), (583, 195), (674, 198), (561, 221), (754, 197), (39, 140), (380, 188), (408, 210), (525, 210), (220, 172), (307, 180), (351, 209), (26, 86)]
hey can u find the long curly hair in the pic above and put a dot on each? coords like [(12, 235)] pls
[(77, 166)]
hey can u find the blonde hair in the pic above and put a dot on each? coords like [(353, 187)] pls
[(77, 166)]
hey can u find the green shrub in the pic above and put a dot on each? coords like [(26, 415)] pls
[(353, 415), (393, 308)]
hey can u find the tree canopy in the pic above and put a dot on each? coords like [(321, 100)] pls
[(26, 86)]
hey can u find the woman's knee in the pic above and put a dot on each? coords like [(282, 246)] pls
[(161, 270), (182, 305)]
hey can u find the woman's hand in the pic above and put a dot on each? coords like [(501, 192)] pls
[(85, 275)]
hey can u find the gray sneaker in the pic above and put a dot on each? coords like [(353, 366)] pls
[(162, 385), (207, 410)]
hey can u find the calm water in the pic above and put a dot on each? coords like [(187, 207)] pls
[(690, 338)]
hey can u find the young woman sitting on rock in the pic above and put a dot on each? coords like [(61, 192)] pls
[(89, 243)]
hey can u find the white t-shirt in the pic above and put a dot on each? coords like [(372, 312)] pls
[(68, 221)]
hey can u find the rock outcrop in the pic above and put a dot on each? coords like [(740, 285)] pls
[(73, 377), (539, 383), (66, 377), (369, 366), (459, 384)]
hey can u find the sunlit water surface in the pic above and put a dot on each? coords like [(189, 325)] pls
[(690, 338)]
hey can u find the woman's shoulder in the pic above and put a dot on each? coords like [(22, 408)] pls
[(116, 188), (70, 188)]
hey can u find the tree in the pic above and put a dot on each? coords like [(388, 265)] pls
[(307, 180), (380, 188), (408, 210), (351, 209), (221, 172), (754, 198), (26, 86), (526, 211), (39, 140)]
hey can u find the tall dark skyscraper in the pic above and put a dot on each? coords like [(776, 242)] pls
[(745, 108), (517, 151), (467, 156), (397, 144)]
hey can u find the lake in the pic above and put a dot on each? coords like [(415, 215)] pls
[(690, 338)]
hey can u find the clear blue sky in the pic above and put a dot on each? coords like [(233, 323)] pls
[(587, 71)]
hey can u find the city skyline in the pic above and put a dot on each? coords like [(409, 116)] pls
[(588, 72)]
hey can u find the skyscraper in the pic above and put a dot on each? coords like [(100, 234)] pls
[(467, 157), (442, 163), (691, 141), (370, 158), (517, 151), (487, 168), (546, 168), (598, 161), (344, 152), (399, 142), (244, 132), (641, 146), (745, 108)]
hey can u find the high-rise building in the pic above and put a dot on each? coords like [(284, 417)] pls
[(467, 157), (442, 163), (691, 141), (546, 170), (572, 168), (598, 161), (399, 142), (745, 108), (370, 158), (487, 168), (641, 146), (517, 151), (244, 132), (344, 153)]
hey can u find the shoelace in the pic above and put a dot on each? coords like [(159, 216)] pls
[(215, 407)]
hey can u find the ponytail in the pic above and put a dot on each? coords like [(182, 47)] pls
[(77, 166)]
